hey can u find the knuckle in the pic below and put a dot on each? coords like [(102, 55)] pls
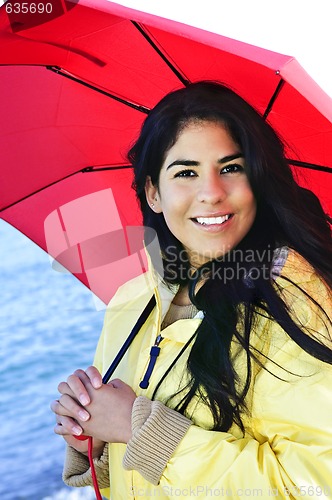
[(63, 402), (92, 368), (61, 386), (116, 383), (72, 378), (61, 398), (54, 405), (58, 429)]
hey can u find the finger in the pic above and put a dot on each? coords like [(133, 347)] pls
[(69, 406), (78, 383), (81, 374), (67, 426), (56, 407), (94, 376), (64, 388), (62, 410)]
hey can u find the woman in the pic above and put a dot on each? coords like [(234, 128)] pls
[(235, 397)]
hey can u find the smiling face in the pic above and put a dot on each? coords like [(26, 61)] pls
[(204, 193)]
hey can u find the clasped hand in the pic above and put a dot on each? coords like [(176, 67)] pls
[(87, 406)]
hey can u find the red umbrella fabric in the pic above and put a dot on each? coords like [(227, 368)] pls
[(75, 87)]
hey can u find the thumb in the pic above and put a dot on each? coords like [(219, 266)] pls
[(117, 383)]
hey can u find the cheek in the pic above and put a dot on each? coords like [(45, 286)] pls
[(246, 198), (175, 215), (251, 204), (172, 215)]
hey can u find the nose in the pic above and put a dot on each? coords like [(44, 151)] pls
[(211, 189)]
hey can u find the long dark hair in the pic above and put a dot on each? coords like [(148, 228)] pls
[(284, 218)]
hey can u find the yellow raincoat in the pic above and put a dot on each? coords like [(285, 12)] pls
[(287, 448)]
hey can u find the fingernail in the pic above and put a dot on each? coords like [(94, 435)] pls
[(83, 415), (96, 383), (84, 399), (77, 431)]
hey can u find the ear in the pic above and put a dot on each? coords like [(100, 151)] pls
[(152, 196)]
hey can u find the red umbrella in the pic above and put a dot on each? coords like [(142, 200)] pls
[(76, 84)]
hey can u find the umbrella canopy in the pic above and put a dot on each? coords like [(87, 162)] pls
[(75, 87)]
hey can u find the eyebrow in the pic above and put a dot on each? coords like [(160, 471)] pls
[(193, 163)]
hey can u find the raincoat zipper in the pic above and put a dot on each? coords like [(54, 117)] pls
[(154, 353)]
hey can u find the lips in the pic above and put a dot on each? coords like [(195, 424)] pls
[(209, 221)]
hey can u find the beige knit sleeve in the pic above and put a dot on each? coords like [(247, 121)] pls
[(77, 471), (156, 432)]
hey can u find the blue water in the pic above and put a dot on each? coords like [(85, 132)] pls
[(49, 326)]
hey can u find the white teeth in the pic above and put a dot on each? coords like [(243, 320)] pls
[(212, 220)]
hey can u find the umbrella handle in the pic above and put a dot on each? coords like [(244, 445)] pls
[(82, 437)]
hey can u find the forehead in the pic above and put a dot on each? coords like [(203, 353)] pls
[(202, 135)]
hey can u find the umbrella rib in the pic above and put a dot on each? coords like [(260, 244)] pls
[(273, 98), (147, 37), (99, 169), (296, 163), (81, 171), (60, 71), (312, 166)]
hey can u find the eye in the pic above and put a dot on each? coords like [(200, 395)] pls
[(232, 168), (185, 173)]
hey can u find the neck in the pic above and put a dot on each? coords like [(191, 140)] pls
[(182, 297)]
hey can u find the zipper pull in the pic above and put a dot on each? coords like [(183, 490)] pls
[(154, 353)]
